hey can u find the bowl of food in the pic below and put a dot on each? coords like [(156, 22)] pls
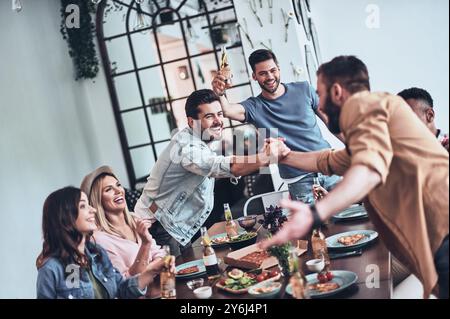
[(265, 290), (315, 265), (247, 222), (243, 240), (203, 292)]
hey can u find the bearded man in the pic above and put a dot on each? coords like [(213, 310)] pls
[(391, 161)]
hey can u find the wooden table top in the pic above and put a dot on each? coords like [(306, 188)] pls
[(374, 258)]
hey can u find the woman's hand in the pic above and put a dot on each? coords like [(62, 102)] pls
[(154, 268), (142, 226), (157, 265)]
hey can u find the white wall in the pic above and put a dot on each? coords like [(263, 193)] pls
[(411, 47), (51, 130), (289, 54)]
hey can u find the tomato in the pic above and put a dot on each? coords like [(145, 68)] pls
[(222, 282), (329, 276), (274, 273), (322, 278), (260, 278)]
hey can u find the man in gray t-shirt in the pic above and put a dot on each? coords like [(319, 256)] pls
[(289, 108)]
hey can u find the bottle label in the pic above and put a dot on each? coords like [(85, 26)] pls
[(210, 260), (168, 290)]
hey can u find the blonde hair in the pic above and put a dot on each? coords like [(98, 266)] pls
[(95, 199)]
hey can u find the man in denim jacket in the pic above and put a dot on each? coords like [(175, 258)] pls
[(179, 195)]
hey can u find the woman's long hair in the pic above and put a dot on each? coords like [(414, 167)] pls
[(95, 198), (61, 238)]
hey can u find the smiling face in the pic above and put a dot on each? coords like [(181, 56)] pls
[(113, 195), (85, 222), (268, 76), (210, 120)]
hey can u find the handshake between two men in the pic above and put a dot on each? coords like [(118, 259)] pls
[(273, 152)]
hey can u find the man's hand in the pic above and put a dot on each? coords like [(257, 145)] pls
[(319, 192), (220, 83), (299, 224)]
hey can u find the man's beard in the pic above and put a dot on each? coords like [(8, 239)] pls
[(208, 137), (277, 84), (333, 112)]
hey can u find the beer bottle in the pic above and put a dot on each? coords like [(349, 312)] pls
[(209, 256), (230, 225), (167, 277), (316, 184), (319, 247), (298, 281)]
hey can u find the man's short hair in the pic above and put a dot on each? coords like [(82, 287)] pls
[(417, 94), (198, 98), (261, 56), (348, 71)]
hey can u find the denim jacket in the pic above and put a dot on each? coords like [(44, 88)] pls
[(56, 281), (182, 185)]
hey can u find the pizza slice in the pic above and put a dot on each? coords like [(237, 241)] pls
[(188, 271), (350, 240)]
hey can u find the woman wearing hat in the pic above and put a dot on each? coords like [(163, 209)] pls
[(128, 242)]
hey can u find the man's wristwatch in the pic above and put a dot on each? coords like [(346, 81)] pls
[(317, 222)]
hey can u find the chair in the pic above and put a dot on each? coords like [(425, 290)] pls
[(131, 197), (268, 199), (410, 288)]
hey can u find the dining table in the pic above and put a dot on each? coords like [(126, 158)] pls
[(372, 267)]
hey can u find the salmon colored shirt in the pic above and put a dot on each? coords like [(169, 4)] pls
[(410, 208), (123, 252)]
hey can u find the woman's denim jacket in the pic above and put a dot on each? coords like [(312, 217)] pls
[(56, 281)]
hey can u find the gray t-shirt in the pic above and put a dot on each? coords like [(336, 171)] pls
[(293, 114)]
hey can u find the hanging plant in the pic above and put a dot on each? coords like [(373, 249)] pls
[(81, 40)]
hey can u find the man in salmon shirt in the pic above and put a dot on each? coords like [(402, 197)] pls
[(407, 198)]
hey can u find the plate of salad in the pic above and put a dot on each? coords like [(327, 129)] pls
[(239, 282)]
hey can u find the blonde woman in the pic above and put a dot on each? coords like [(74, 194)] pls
[(127, 240)]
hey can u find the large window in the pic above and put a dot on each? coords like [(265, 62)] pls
[(155, 54)]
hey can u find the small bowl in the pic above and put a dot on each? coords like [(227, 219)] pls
[(195, 283), (247, 222), (203, 292), (235, 245), (273, 288), (315, 265)]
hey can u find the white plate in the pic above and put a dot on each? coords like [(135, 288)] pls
[(370, 235), (342, 277), (199, 263), (353, 212)]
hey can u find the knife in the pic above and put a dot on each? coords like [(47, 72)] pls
[(346, 254)]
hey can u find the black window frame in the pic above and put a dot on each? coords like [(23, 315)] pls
[(111, 74)]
